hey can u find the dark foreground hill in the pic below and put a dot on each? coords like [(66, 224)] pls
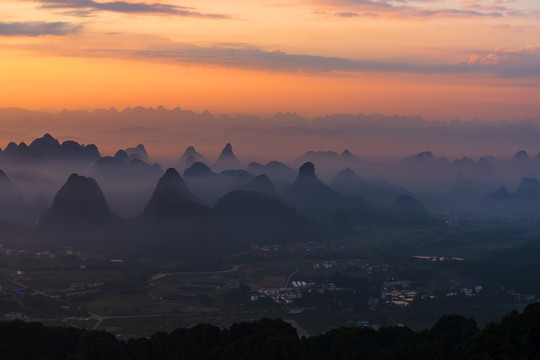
[(517, 336)]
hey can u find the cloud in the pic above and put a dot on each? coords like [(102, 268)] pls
[(38, 28), (87, 7), (346, 14), (342, 14), (503, 63), (523, 62), (520, 62), (417, 9)]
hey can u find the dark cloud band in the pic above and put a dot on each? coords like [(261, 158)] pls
[(86, 7), (522, 63), (38, 28)]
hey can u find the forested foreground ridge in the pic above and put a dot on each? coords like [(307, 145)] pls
[(516, 336)]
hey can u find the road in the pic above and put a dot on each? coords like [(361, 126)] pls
[(27, 287), (229, 284), (162, 275), (299, 330), (290, 277), (101, 318)]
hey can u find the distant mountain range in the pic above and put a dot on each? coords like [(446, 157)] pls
[(177, 223), (48, 148), (126, 201)]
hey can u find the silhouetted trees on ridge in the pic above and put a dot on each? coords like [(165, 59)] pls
[(516, 336)]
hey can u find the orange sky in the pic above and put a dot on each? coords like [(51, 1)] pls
[(441, 59)]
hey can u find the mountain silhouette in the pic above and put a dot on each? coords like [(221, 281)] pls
[(190, 157), (252, 203), (338, 226), (172, 198), (12, 205), (376, 191), (190, 161), (501, 194), (524, 203), (423, 156), (348, 155), (227, 160), (234, 179), (279, 174), (521, 156), (279, 170), (117, 167), (329, 162), (255, 168), (261, 184), (252, 217), (360, 212), (122, 156), (47, 148), (80, 200), (138, 153), (80, 216), (310, 196), (198, 169), (463, 162), (174, 223), (406, 210), (21, 153), (210, 186), (528, 190), (73, 151), (203, 182)]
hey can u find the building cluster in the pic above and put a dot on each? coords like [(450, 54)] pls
[(324, 265), (398, 293), (468, 292), (437, 258), (355, 265), (295, 290), (521, 298), (300, 249), (81, 287), (13, 316), (402, 293), (19, 252)]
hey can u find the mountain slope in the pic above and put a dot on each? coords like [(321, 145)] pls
[(79, 216), (227, 160), (172, 197), (408, 211)]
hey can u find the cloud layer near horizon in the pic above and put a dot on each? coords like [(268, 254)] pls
[(504, 63), (38, 28), (87, 7), (420, 9)]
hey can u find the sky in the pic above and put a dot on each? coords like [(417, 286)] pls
[(440, 59)]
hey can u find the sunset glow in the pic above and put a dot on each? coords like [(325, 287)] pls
[(440, 59)]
